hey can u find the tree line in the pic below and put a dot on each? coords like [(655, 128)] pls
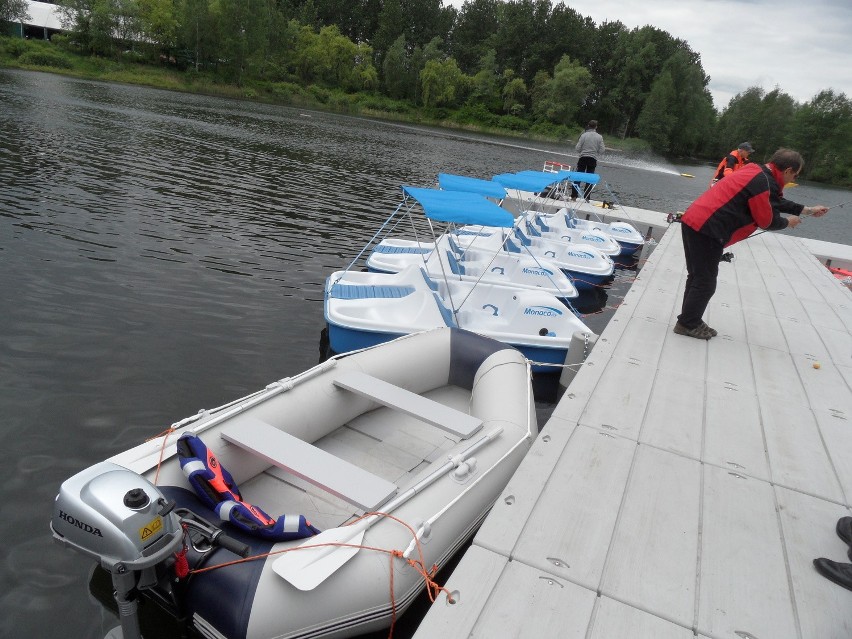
[(523, 65)]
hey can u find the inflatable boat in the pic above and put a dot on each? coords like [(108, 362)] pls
[(387, 458)]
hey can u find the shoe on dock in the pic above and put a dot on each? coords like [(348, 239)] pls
[(702, 331)]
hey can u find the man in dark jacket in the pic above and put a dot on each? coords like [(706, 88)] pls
[(729, 212)]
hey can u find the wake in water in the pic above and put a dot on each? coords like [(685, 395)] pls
[(645, 161), (642, 160)]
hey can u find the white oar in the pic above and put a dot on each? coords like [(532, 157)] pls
[(313, 562)]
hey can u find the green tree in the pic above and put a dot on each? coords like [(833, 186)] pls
[(196, 39), (356, 19), (484, 85), (395, 71), (520, 25), (391, 25), (242, 29), (770, 132), (540, 95), (678, 115), (601, 61), (14, 11), (567, 33), (656, 122), (332, 59), (158, 23), (569, 88), (93, 23), (515, 94), (441, 83), (692, 107), (739, 120), (426, 20), (474, 33), (822, 133)]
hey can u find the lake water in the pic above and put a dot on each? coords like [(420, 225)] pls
[(161, 253)]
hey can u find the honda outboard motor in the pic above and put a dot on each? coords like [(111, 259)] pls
[(123, 521)]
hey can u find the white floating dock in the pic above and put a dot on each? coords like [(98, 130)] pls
[(682, 487)]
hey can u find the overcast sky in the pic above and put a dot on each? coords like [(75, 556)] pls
[(800, 46)]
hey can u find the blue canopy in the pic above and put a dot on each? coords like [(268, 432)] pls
[(534, 181), (460, 207), (577, 176), (488, 188), (537, 181)]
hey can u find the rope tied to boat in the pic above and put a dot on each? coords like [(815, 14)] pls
[(165, 437), (433, 588)]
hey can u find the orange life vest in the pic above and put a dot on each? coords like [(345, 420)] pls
[(722, 170)]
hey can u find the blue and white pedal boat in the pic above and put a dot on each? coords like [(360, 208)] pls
[(450, 261), (629, 239), (535, 227), (584, 264), (494, 189), (426, 429), (363, 309), (624, 233)]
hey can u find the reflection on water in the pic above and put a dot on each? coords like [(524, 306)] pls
[(163, 253)]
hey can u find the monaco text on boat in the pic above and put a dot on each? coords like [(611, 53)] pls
[(391, 457)]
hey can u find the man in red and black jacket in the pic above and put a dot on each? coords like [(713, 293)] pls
[(729, 212)]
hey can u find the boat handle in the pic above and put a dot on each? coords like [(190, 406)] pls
[(550, 253), (499, 268), (490, 306)]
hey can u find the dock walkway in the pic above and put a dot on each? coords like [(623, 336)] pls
[(682, 487)]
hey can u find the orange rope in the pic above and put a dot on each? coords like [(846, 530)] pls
[(165, 435), (433, 589)]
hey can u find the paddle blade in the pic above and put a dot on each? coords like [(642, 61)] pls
[(312, 563)]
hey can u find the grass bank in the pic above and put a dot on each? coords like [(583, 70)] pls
[(39, 55)]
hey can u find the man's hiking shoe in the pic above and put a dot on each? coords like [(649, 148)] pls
[(839, 573), (713, 332), (844, 529), (701, 331)]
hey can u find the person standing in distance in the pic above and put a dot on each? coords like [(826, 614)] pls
[(729, 212), (589, 147), (735, 160)]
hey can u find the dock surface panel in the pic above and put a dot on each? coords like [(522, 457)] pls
[(682, 487)]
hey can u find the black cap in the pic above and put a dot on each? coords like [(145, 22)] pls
[(136, 498), (745, 146)]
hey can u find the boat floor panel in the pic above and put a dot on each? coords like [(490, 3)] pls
[(683, 487), (392, 445)]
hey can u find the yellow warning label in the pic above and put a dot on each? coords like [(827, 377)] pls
[(151, 529)]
